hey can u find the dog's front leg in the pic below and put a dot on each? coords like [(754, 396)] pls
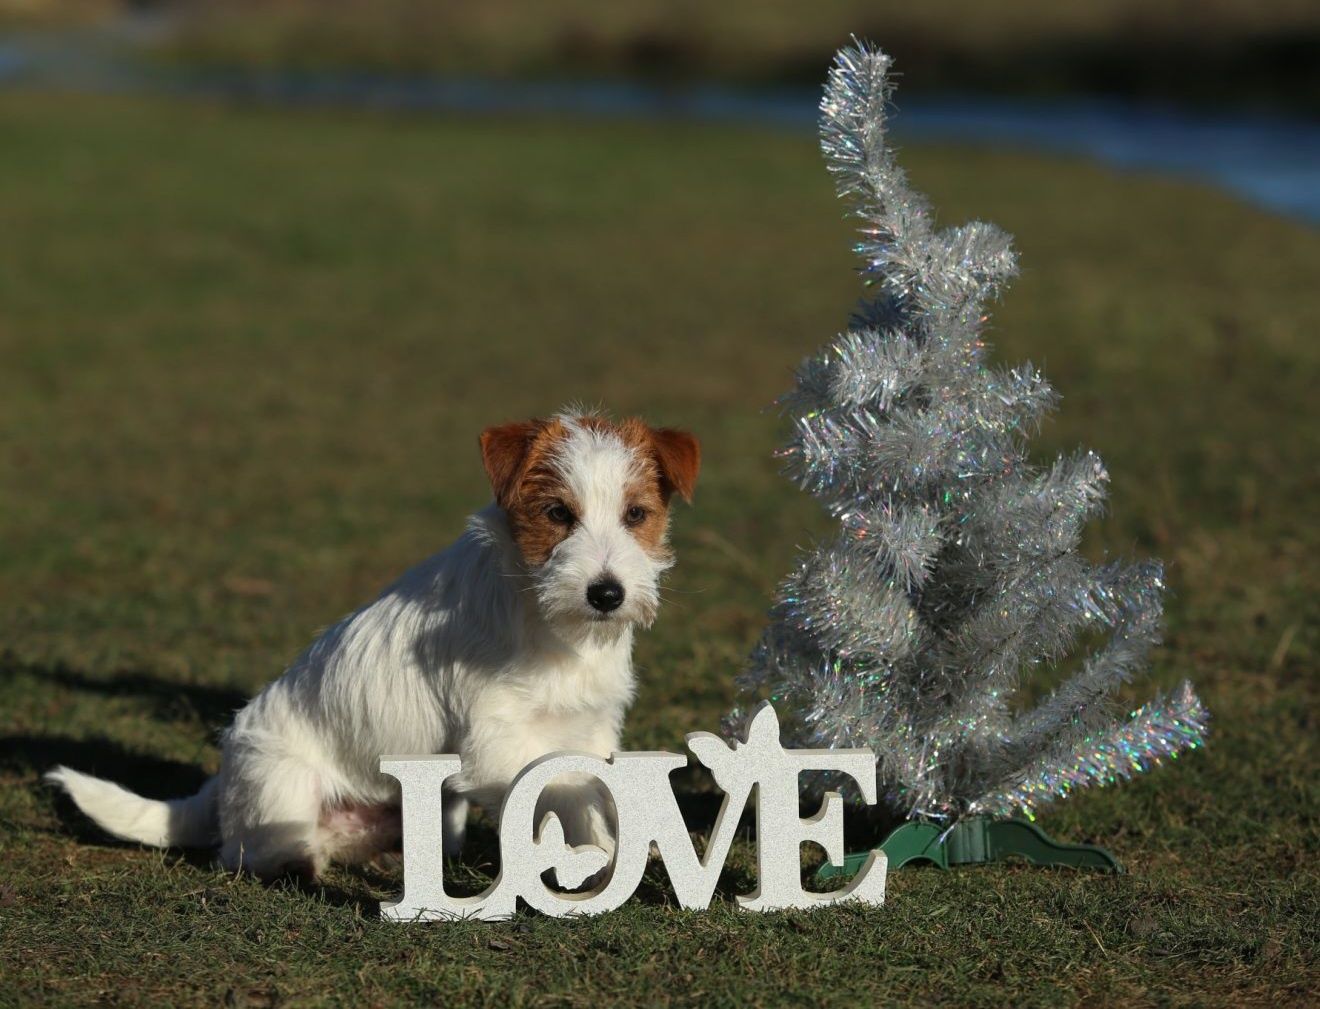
[(583, 807), (586, 813), (455, 823)]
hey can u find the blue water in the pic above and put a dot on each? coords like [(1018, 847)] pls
[(1272, 162)]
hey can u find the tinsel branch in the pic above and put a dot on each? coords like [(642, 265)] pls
[(839, 598), (861, 368), (1161, 728), (902, 542), (1078, 701), (961, 435), (1034, 619)]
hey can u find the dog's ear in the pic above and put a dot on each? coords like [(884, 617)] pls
[(504, 449), (678, 454)]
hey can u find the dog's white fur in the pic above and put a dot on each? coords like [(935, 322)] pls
[(471, 652)]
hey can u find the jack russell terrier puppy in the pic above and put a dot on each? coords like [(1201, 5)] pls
[(514, 642)]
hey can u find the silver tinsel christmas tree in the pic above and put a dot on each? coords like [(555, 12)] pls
[(955, 572)]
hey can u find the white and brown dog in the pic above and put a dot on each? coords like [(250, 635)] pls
[(514, 642)]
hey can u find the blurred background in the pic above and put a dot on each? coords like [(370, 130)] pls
[(1198, 51), (267, 267), (1222, 89)]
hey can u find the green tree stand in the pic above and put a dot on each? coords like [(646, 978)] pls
[(973, 841)]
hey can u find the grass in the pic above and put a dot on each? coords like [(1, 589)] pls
[(244, 356), (26, 14)]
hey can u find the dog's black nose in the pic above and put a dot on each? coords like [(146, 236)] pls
[(605, 595)]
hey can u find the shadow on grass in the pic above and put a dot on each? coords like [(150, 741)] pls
[(352, 898), (151, 776), (214, 706), (154, 777)]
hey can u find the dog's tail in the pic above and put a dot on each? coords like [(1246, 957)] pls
[(193, 822)]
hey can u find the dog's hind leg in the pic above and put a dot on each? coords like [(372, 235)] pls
[(270, 808)]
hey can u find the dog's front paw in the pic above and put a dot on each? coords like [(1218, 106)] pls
[(572, 866), (582, 869)]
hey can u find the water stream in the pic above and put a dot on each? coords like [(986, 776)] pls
[(1270, 161)]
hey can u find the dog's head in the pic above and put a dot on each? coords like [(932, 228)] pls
[(587, 501)]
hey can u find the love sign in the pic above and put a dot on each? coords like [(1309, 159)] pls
[(646, 813)]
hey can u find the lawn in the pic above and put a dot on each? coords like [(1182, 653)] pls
[(244, 358)]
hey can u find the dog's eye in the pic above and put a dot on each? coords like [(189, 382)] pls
[(559, 513), (635, 515)]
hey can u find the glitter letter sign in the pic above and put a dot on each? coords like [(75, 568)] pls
[(646, 813)]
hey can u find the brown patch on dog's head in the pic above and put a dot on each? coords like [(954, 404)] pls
[(540, 507), (504, 453), (520, 460), (678, 455), (668, 461)]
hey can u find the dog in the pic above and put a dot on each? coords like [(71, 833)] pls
[(513, 642)]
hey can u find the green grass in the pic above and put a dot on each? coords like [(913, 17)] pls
[(244, 357)]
